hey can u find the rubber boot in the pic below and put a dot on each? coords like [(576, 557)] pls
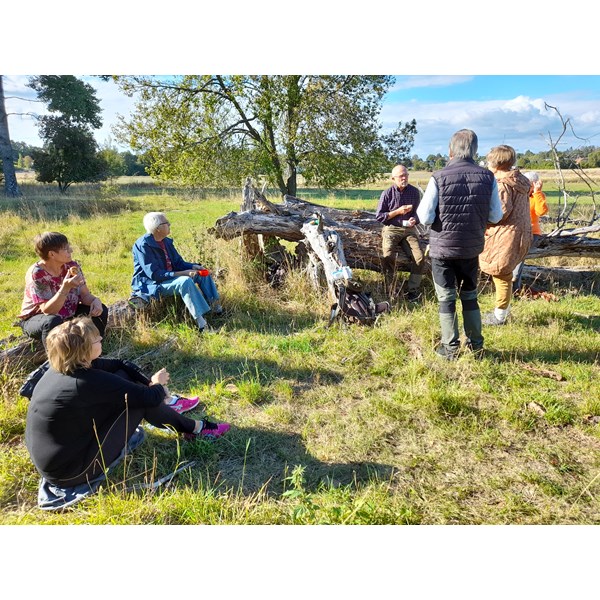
[(472, 324), (450, 340)]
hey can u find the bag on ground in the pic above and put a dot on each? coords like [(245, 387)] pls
[(355, 305)]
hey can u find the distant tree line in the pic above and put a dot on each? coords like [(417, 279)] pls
[(586, 157), (117, 163)]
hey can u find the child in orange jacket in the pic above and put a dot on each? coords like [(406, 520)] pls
[(537, 208)]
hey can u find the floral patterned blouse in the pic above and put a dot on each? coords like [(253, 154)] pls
[(40, 286)]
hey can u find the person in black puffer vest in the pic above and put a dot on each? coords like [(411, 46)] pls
[(459, 202)]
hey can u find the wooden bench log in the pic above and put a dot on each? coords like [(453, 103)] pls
[(19, 350)]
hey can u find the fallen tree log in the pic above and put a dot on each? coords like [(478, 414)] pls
[(20, 350), (360, 232), (568, 243), (562, 277)]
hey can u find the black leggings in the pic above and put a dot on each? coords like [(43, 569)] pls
[(114, 436), (40, 325)]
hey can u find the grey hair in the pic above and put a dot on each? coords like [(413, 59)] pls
[(463, 144), (153, 220), (532, 176)]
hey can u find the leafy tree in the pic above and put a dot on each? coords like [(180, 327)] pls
[(133, 164), (593, 159), (115, 162), (69, 156), (11, 187), (70, 153), (74, 99), (418, 164), (23, 149), (213, 129)]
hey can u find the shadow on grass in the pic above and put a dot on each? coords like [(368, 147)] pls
[(546, 356), (246, 315), (248, 460)]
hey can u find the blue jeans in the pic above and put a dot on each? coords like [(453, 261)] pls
[(196, 302), (518, 271)]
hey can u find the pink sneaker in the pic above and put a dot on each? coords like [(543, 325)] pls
[(182, 404), (209, 431)]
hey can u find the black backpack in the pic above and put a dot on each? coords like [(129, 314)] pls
[(354, 305)]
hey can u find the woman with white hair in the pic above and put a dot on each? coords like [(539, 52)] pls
[(538, 207), (159, 270)]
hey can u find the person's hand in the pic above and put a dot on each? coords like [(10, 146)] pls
[(72, 282), (412, 222), (537, 185), (405, 208), (162, 377), (96, 307)]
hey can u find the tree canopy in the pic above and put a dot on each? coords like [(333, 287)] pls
[(214, 129), (70, 152)]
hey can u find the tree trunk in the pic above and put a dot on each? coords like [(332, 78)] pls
[(249, 240), (11, 187), (360, 232), (292, 184), (326, 254)]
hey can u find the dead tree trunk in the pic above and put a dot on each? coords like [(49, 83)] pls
[(360, 232), (326, 255), (11, 187)]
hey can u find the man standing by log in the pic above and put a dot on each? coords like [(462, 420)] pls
[(397, 210), (459, 202)]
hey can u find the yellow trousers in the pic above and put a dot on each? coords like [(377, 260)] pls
[(503, 285)]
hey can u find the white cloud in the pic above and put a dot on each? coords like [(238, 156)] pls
[(407, 83), (521, 122)]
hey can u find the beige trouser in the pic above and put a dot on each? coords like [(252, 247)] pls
[(503, 285), (395, 239)]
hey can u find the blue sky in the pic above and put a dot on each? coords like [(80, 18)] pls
[(461, 64), (501, 109)]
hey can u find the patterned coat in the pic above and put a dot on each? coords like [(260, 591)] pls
[(508, 241)]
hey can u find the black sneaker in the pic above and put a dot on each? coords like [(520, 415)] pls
[(413, 296), (209, 431), (446, 353)]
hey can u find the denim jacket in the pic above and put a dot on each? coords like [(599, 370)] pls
[(150, 266)]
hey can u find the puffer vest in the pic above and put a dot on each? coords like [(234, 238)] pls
[(464, 193)]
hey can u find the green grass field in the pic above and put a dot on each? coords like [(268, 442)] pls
[(346, 424)]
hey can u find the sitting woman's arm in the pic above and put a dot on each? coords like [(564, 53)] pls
[(101, 387), (112, 365), (54, 304), (90, 300)]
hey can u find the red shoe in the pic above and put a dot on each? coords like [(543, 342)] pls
[(209, 431), (182, 404)]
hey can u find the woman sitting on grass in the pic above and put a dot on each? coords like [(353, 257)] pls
[(85, 409), (55, 289)]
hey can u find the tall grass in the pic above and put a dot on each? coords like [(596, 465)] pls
[(333, 425)]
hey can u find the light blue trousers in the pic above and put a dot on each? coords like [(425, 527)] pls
[(197, 302)]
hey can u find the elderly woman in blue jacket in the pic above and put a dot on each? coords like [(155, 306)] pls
[(159, 270)]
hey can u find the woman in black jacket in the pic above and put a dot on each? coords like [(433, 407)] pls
[(85, 409)]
